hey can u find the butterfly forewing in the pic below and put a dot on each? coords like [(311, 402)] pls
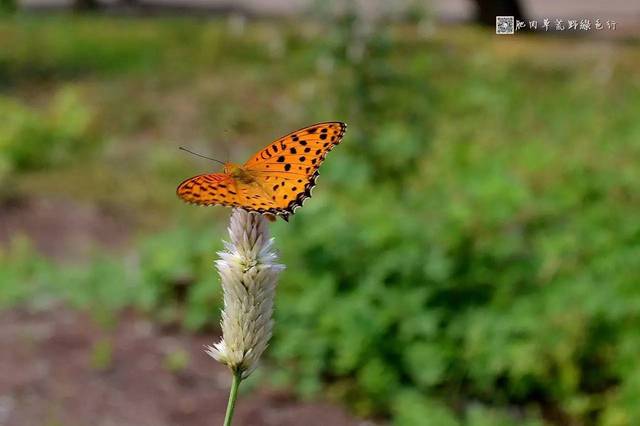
[(210, 189), (222, 189), (289, 166), (300, 152)]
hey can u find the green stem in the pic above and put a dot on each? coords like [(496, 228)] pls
[(233, 395)]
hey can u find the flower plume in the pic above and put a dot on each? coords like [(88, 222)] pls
[(249, 272)]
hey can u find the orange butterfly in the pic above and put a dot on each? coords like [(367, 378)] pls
[(276, 180)]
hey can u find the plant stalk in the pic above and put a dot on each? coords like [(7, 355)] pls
[(233, 395)]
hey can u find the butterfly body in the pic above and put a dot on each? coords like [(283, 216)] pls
[(239, 173), (276, 180)]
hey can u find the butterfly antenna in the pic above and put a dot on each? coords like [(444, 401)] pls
[(200, 155)]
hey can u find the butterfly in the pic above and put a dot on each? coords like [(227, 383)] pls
[(276, 180)]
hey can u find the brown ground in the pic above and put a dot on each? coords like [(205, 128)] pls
[(61, 228), (51, 373)]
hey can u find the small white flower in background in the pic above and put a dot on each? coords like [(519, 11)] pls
[(249, 273)]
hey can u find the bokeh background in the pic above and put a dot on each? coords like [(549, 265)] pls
[(470, 256)]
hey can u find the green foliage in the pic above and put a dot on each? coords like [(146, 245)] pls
[(32, 140), (22, 273), (176, 361), (102, 355), (177, 280), (470, 255), (170, 277), (7, 6), (412, 408), (64, 47)]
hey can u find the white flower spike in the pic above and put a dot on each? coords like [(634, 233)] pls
[(249, 273)]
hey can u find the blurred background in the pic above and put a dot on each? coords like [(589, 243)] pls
[(470, 255)]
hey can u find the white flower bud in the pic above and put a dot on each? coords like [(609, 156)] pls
[(249, 274)]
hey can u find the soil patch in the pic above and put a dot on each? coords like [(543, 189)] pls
[(57, 367), (61, 228)]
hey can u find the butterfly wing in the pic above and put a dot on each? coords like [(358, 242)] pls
[(287, 169), (210, 189), (222, 189)]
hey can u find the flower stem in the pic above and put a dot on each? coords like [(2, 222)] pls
[(233, 395)]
